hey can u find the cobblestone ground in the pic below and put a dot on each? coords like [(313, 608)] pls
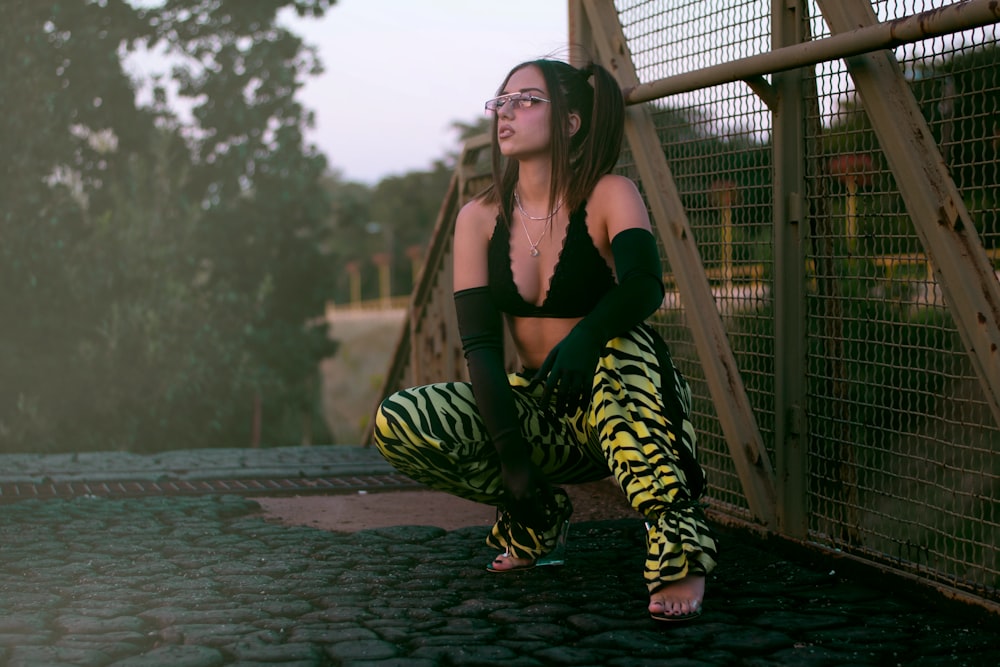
[(204, 581)]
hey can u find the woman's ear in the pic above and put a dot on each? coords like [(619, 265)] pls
[(574, 123)]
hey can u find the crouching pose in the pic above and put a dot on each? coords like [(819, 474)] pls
[(563, 248)]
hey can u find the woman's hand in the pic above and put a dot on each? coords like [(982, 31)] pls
[(568, 370), (527, 494)]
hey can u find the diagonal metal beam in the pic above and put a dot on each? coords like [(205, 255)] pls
[(942, 221), (721, 372)]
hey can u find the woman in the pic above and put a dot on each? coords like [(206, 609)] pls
[(564, 249)]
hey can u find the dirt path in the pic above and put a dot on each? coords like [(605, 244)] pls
[(349, 513)]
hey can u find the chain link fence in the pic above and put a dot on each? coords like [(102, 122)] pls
[(903, 450)]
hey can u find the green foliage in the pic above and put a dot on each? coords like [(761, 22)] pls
[(158, 275), (883, 357), (396, 217)]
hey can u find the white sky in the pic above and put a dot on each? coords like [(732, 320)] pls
[(400, 72)]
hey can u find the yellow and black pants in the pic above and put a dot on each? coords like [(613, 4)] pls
[(636, 428)]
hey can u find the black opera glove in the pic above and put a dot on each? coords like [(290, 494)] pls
[(527, 496), (568, 370)]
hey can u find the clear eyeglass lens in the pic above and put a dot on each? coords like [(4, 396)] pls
[(516, 100)]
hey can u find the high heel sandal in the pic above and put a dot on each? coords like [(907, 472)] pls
[(555, 557)]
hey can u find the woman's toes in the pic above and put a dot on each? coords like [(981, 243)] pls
[(680, 598), (505, 562), (671, 607)]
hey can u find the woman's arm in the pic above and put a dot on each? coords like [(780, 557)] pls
[(480, 326), (616, 202), (473, 229)]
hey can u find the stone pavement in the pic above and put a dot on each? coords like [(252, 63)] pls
[(194, 464), (204, 580), (261, 472)]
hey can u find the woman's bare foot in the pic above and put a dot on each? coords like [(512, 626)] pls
[(505, 562), (678, 600)]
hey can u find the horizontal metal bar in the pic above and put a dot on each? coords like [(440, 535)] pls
[(953, 18)]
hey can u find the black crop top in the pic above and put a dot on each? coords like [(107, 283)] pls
[(580, 279)]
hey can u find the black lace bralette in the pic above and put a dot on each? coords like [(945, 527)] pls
[(581, 276)]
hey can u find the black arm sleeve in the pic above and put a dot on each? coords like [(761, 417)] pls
[(480, 326), (639, 291)]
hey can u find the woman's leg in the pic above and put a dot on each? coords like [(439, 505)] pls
[(434, 435), (640, 414), (559, 448)]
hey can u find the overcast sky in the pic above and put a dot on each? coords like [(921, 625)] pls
[(400, 72)]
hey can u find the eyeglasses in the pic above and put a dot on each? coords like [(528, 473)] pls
[(516, 100)]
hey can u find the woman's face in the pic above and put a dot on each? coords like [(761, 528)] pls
[(524, 132)]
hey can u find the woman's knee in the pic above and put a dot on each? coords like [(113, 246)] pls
[(401, 421), (383, 431)]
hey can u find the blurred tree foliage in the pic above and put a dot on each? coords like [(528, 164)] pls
[(396, 216), (158, 274)]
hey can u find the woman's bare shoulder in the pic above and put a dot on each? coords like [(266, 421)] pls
[(477, 213), (617, 202), (612, 187), (475, 224)]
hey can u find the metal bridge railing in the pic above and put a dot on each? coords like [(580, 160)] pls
[(823, 179)]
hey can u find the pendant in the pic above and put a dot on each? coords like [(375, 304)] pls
[(534, 252)]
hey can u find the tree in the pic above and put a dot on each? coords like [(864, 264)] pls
[(158, 273), (405, 209), (350, 206)]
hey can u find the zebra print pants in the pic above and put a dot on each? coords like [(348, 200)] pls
[(636, 428)]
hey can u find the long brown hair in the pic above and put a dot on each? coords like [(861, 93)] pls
[(578, 162)]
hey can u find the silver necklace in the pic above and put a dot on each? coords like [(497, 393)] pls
[(534, 252), (534, 244), (517, 200)]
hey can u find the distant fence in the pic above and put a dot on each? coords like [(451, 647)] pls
[(367, 305), (827, 197)]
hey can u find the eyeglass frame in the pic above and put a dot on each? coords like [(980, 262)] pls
[(495, 105)]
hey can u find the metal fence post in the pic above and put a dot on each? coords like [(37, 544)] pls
[(789, 27)]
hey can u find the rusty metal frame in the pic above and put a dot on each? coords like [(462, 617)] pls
[(851, 42), (789, 27)]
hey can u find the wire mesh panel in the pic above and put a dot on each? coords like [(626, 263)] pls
[(903, 464)]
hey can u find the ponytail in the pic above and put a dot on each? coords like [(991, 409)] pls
[(598, 150)]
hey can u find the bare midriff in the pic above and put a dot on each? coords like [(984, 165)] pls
[(534, 337)]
